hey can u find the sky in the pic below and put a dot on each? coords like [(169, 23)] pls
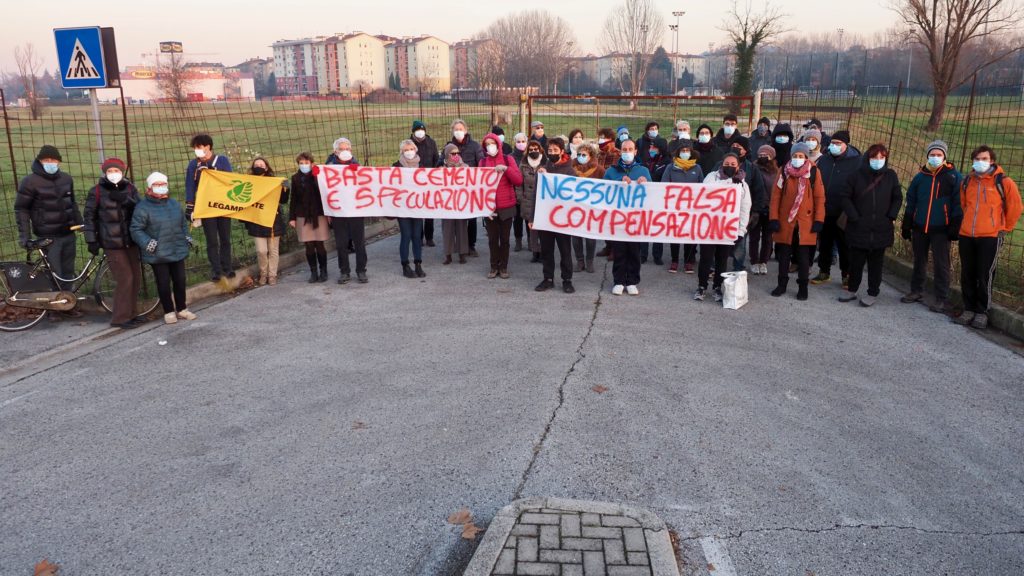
[(230, 31)]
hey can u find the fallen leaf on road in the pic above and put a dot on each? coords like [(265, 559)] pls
[(46, 568), (599, 389), (808, 573), (359, 425), (711, 567), (470, 530), (460, 517)]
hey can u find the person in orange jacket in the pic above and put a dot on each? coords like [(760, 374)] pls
[(992, 206)]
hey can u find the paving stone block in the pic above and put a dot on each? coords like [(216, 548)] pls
[(524, 530), (538, 569), (561, 556), (628, 571), (593, 564), (638, 558), (634, 539), (527, 550), (572, 570), (506, 562), (570, 525), (549, 537), (614, 552), (591, 519), (581, 544), (601, 532), (620, 521), (539, 518)]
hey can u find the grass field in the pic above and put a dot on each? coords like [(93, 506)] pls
[(159, 137)]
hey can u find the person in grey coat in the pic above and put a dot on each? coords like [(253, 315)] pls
[(160, 229)]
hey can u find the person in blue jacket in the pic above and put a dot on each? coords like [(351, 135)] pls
[(160, 229), (626, 267), (931, 221), (217, 230)]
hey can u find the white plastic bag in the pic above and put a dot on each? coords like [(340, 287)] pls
[(734, 290)]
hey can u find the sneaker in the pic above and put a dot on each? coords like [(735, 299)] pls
[(912, 297), (821, 278), (847, 296), (632, 290), (867, 300), (764, 268), (659, 262), (186, 315), (545, 285), (344, 279), (673, 268), (231, 275), (504, 275), (964, 318), (492, 274), (980, 321), (170, 318), (430, 244), (124, 325), (943, 307), (755, 269), (567, 287), (617, 289), (361, 276), (536, 258), (717, 294), (590, 267), (688, 268), (699, 294), (473, 253), (272, 280), (846, 280)]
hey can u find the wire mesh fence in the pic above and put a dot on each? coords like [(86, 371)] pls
[(155, 136)]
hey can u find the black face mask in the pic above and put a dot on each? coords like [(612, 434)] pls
[(535, 154), (764, 160), (257, 171), (729, 171), (554, 158)]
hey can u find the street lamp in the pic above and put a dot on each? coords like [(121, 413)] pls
[(835, 72), (675, 52), (568, 73), (707, 76)]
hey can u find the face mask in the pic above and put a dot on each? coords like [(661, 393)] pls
[(409, 154), (704, 138), (684, 155), (762, 129), (520, 146), (459, 134), (200, 153), (981, 166), (114, 177), (601, 141), (345, 155), (739, 152), (257, 171), (420, 134), (652, 134), (492, 149), (577, 141), (535, 154), (160, 190), (554, 158), (583, 159), (797, 163), (684, 135), (51, 167), (764, 160), (935, 161), (813, 144), (729, 171), (305, 168), (781, 139), (728, 129), (653, 152), (623, 137), (835, 149), (876, 163), (501, 137), (534, 162), (628, 157), (455, 158)]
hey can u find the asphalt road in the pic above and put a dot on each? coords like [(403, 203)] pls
[(325, 429)]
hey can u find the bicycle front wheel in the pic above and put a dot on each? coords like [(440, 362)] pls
[(15, 318), (103, 289)]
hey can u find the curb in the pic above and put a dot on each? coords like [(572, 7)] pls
[(659, 545)]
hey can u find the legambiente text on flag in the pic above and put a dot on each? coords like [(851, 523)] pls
[(240, 196)]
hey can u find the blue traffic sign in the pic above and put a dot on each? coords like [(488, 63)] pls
[(80, 55)]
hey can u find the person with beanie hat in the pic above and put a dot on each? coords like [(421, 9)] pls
[(306, 216), (655, 159), (216, 230), (717, 255), (760, 236), (426, 149), (586, 166), (621, 135), (161, 230), (782, 141), (45, 207), (796, 214), (498, 131), (837, 162), (761, 135), (931, 221), (651, 139), (708, 154), (499, 224), (683, 169), (815, 124), (812, 137), (109, 207), (537, 133)]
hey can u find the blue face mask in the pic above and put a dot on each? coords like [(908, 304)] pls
[(652, 133), (835, 149), (582, 158), (876, 163), (981, 166), (653, 152), (305, 168), (51, 167), (627, 157), (781, 139), (935, 161), (623, 136)]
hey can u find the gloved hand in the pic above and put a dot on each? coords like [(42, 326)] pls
[(189, 207), (24, 243), (94, 248), (817, 226), (500, 168), (907, 229), (151, 247), (953, 231), (118, 195), (774, 226)]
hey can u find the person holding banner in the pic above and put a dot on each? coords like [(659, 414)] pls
[(267, 238), (796, 214), (626, 266), (655, 160), (456, 237), (471, 153), (499, 224), (306, 215), (586, 166), (683, 170), (609, 152), (411, 229), (526, 194), (426, 148), (348, 228), (216, 230), (559, 162), (730, 173)]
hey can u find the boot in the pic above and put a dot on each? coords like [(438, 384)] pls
[(314, 275), (407, 271), (419, 270), (801, 291), (580, 266), (781, 288), (590, 266), (519, 245), (322, 259)]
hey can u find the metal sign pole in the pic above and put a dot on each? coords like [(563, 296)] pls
[(96, 124)]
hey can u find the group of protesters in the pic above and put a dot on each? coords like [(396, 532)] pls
[(799, 195)]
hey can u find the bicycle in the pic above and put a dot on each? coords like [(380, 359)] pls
[(30, 289)]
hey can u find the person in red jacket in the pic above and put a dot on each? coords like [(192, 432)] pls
[(499, 224), (992, 206)]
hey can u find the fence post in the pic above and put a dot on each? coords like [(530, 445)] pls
[(362, 121), (127, 138), (10, 143), (853, 101), (755, 111), (458, 104), (967, 124), (421, 103), (523, 99), (895, 111), (529, 116)]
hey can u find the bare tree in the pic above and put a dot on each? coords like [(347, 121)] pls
[(534, 47), (748, 31), (487, 68), (29, 65), (173, 80), (945, 28), (635, 29)]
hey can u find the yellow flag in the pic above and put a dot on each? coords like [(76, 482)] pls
[(240, 196)]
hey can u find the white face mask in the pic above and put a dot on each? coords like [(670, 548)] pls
[(601, 141), (200, 153), (728, 129), (798, 163), (161, 190), (345, 155), (520, 145), (812, 143), (114, 177), (409, 154), (704, 138), (421, 134), (502, 138), (492, 149), (684, 155), (459, 134), (684, 134)]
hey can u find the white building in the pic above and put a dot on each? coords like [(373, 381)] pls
[(202, 84), (295, 69)]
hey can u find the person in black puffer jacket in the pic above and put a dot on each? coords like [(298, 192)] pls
[(108, 215), (871, 199), (45, 207), (306, 215), (268, 239), (426, 149)]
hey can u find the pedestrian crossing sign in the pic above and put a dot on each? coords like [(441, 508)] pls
[(80, 56)]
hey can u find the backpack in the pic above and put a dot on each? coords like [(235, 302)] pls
[(999, 188)]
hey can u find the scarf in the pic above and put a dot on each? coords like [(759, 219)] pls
[(624, 167), (404, 163), (684, 164), (588, 169), (801, 174), (310, 193)]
